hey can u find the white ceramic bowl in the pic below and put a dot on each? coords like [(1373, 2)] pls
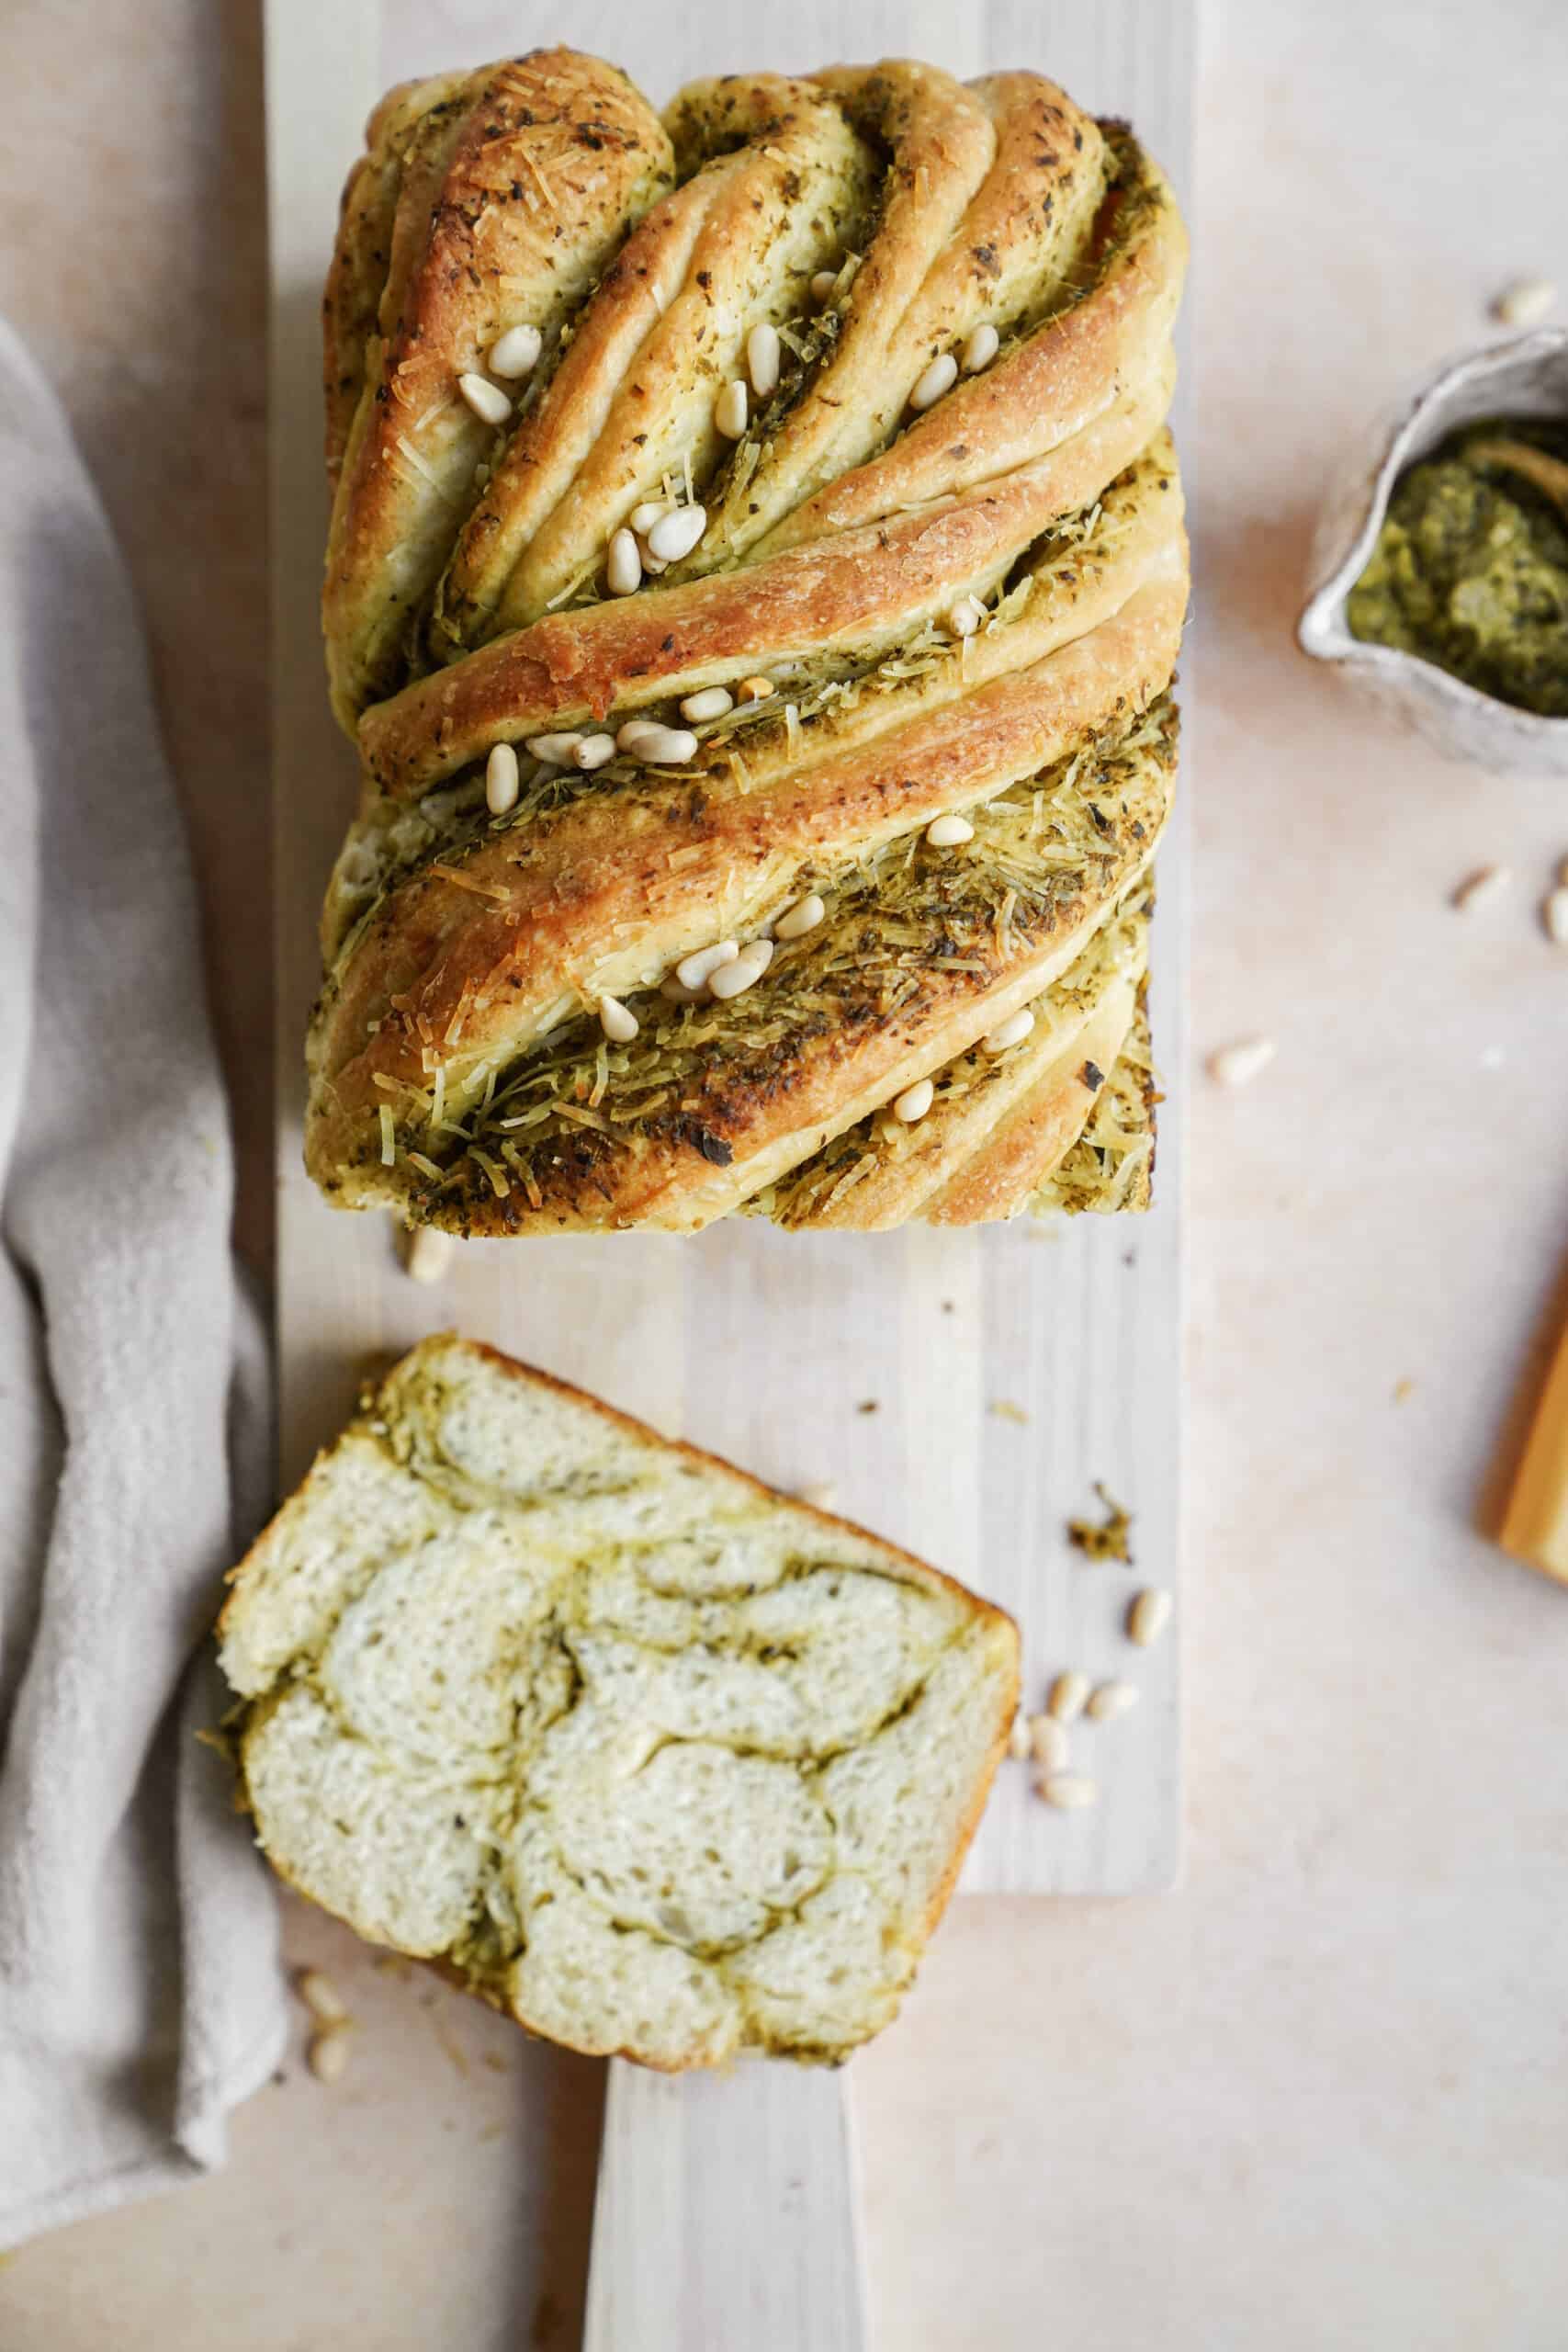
[(1525, 376)]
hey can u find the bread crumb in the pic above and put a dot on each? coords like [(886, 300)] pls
[(1525, 301), (1006, 1410), (1106, 1539), (327, 2054), (1402, 1391)]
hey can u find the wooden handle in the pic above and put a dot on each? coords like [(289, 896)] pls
[(1535, 1526), (726, 2215)]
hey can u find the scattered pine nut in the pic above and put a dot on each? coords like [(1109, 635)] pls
[(1069, 1791), (328, 2055), (981, 348), (428, 1255), (487, 401), (1525, 303), (1148, 1616), (947, 832), (1479, 889), (1239, 1064), (1108, 1700), (315, 1987), (623, 565), (618, 1022), (1047, 1742), (556, 750), (676, 535), (712, 702), (754, 689), (1555, 914), (824, 286), (938, 378), (642, 518), (592, 751), (762, 360), (515, 352), (915, 1101), (694, 971), (500, 780), (1008, 1033), (664, 747), (1065, 1699), (804, 916), (1018, 1740), (731, 410), (967, 616), (632, 733), (745, 969)]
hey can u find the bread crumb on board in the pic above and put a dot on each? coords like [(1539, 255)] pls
[(1109, 1538)]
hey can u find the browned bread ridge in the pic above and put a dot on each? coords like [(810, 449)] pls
[(898, 350)]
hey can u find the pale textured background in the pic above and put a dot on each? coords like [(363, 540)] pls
[(1320, 2098)]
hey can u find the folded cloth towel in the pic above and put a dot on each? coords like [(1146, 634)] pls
[(140, 1989)]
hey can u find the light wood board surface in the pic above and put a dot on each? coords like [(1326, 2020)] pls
[(1009, 1369)]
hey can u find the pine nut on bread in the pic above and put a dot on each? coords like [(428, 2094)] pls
[(663, 1763)]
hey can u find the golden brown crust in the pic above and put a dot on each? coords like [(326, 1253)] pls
[(845, 533), (516, 185)]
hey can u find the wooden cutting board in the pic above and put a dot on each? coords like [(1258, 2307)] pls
[(961, 1392)]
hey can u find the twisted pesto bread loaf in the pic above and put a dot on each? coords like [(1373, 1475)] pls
[(662, 1762), (755, 578)]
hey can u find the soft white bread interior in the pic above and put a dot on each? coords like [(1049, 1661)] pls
[(661, 1761)]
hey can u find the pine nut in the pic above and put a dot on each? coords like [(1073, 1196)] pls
[(594, 751), (487, 401), (557, 750), (1149, 1615), (915, 1101), (1048, 1743), (500, 780), (642, 518), (947, 832), (427, 1258), (676, 535), (314, 1986), (675, 992), (328, 2055), (938, 378), (1010, 1032), (821, 1494), (1479, 889), (623, 565), (619, 1025), (711, 702), (734, 978), (516, 352), (981, 348), (731, 410), (1069, 1791), (1017, 1739), (652, 564), (967, 616), (1108, 1700), (1239, 1064), (694, 971), (762, 360), (1555, 914), (755, 689), (1526, 302), (630, 735), (1065, 1699), (804, 916), (667, 747)]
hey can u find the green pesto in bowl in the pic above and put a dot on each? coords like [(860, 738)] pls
[(1471, 567)]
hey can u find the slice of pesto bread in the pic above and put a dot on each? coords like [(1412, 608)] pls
[(663, 1763)]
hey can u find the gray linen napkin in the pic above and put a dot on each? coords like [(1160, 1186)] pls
[(140, 1990)]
